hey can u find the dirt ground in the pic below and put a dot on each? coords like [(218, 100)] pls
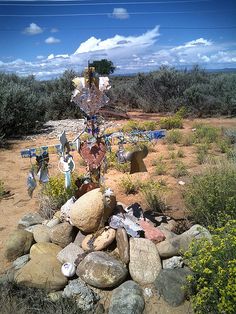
[(14, 170)]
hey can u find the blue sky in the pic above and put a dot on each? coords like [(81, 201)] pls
[(44, 38)]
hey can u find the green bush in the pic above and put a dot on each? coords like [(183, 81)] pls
[(212, 287), (202, 151), (173, 122), (2, 190), (173, 137), (180, 170), (211, 197), (188, 139), (206, 133), (129, 186), (54, 194), (152, 193)]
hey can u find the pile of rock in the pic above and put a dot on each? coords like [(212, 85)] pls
[(96, 244)]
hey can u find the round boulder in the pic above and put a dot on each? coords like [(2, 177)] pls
[(100, 270), (91, 210), (100, 242)]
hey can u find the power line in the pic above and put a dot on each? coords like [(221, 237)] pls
[(101, 3), (110, 13)]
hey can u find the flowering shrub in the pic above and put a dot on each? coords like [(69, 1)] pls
[(212, 286)]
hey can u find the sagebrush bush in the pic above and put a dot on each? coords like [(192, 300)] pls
[(152, 192), (172, 122), (54, 194), (206, 133), (202, 151), (212, 287), (129, 185), (173, 137), (180, 170), (2, 190), (211, 197)]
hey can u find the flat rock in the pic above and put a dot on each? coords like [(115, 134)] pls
[(69, 253), (42, 272), (100, 242), (127, 298), (152, 233), (122, 242), (91, 210), (79, 238), (170, 282), (85, 297), (44, 248), (18, 244), (62, 234), (41, 233), (145, 262), (30, 220), (100, 270)]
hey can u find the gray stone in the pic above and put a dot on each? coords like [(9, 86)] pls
[(127, 299), (30, 220), (21, 261), (86, 298), (79, 238), (122, 245), (18, 244), (173, 262), (100, 270), (69, 253), (41, 233), (180, 243), (53, 222), (62, 234), (170, 285), (145, 262)]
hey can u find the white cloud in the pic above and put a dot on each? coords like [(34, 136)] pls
[(33, 29), (120, 13), (139, 53), (52, 40)]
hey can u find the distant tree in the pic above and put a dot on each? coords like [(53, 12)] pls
[(103, 67)]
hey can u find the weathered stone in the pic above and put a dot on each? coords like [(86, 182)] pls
[(42, 272), (41, 233), (170, 285), (100, 270), (126, 299), (44, 248), (62, 234), (180, 243), (69, 253), (20, 261), (152, 233), (53, 222), (173, 262), (18, 244), (29, 220), (85, 298), (91, 210), (145, 262), (167, 233), (122, 245), (100, 242)]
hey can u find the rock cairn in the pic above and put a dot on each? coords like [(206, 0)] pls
[(100, 245)]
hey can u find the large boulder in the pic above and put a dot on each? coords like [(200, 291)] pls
[(100, 270), (91, 210), (62, 234), (18, 244), (41, 233), (180, 243), (170, 284), (127, 298), (145, 262), (44, 272)]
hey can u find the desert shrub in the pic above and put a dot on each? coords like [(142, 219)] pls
[(223, 145), (113, 163), (152, 192), (180, 153), (149, 125), (211, 197), (54, 194), (172, 122), (160, 166), (173, 137), (231, 135), (180, 170), (187, 139), (212, 287), (206, 133), (130, 186), (23, 300), (202, 151), (130, 126), (2, 190)]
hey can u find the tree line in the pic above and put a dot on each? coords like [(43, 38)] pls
[(26, 103)]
